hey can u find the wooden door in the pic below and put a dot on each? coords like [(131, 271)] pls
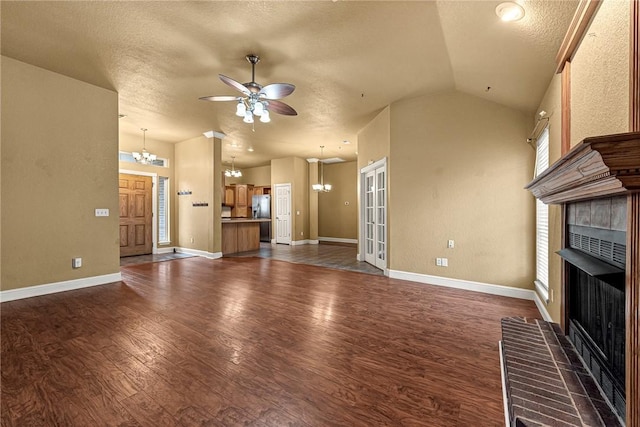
[(135, 215)]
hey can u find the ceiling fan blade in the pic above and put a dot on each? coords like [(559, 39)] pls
[(280, 108), (277, 90), (220, 98), (234, 84)]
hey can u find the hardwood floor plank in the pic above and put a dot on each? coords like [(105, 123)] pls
[(254, 342)]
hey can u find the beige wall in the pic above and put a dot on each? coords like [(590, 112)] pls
[(459, 165), (59, 163), (194, 171), (295, 171), (374, 139), (130, 143), (551, 103), (336, 218), (259, 176), (600, 75)]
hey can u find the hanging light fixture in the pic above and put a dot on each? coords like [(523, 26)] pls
[(322, 187), (233, 172), (145, 157)]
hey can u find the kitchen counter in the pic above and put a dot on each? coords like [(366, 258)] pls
[(238, 220), (241, 234)]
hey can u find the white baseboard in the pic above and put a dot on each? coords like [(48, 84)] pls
[(165, 250), (204, 254), (314, 242), (485, 288), (52, 288), (303, 242), (542, 307), (337, 240), (359, 257)]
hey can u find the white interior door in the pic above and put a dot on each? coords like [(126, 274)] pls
[(374, 214), (283, 213)]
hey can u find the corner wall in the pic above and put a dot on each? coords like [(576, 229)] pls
[(459, 165), (59, 163), (338, 209)]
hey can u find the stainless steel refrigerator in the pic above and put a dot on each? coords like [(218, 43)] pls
[(261, 207)]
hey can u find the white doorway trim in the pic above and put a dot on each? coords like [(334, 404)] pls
[(374, 168), (280, 222), (154, 204)]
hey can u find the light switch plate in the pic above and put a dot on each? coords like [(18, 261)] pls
[(76, 262), (102, 212), (450, 244)]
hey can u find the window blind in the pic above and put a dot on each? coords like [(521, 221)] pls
[(163, 209), (542, 220)]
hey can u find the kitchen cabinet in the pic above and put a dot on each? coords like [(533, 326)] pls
[(259, 191), (229, 196), (242, 202)]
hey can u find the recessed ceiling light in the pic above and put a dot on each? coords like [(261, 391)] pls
[(345, 142), (250, 149), (510, 11)]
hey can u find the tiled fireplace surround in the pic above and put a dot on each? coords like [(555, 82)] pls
[(546, 382)]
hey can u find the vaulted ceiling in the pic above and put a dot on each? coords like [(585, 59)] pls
[(348, 60)]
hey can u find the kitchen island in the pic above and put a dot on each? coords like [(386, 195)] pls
[(241, 234)]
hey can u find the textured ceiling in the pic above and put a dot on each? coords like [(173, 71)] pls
[(348, 60)]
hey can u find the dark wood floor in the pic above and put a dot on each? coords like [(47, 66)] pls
[(250, 341)]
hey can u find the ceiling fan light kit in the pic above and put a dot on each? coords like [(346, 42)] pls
[(258, 100)]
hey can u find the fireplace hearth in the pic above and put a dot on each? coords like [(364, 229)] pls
[(598, 185)]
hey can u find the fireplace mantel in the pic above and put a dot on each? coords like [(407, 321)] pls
[(599, 167), (602, 166)]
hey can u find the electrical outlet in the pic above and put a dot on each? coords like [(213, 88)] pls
[(450, 244), (76, 262), (102, 212), (445, 262), (439, 262)]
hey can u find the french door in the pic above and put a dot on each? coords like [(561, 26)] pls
[(374, 213)]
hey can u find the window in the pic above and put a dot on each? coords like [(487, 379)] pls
[(163, 209), (542, 221), (128, 157)]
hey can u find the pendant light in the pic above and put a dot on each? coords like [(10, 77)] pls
[(145, 157), (233, 172), (322, 187)]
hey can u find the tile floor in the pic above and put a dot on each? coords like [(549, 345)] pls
[(341, 257)]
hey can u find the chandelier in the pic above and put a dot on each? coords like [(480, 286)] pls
[(322, 187), (233, 172), (145, 157)]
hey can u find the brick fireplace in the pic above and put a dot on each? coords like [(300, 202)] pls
[(598, 185)]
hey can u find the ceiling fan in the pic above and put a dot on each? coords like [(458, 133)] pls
[(257, 100)]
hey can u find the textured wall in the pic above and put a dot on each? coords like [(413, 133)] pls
[(600, 75), (165, 150), (457, 171), (335, 218), (59, 163), (295, 171), (374, 139), (194, 171)]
